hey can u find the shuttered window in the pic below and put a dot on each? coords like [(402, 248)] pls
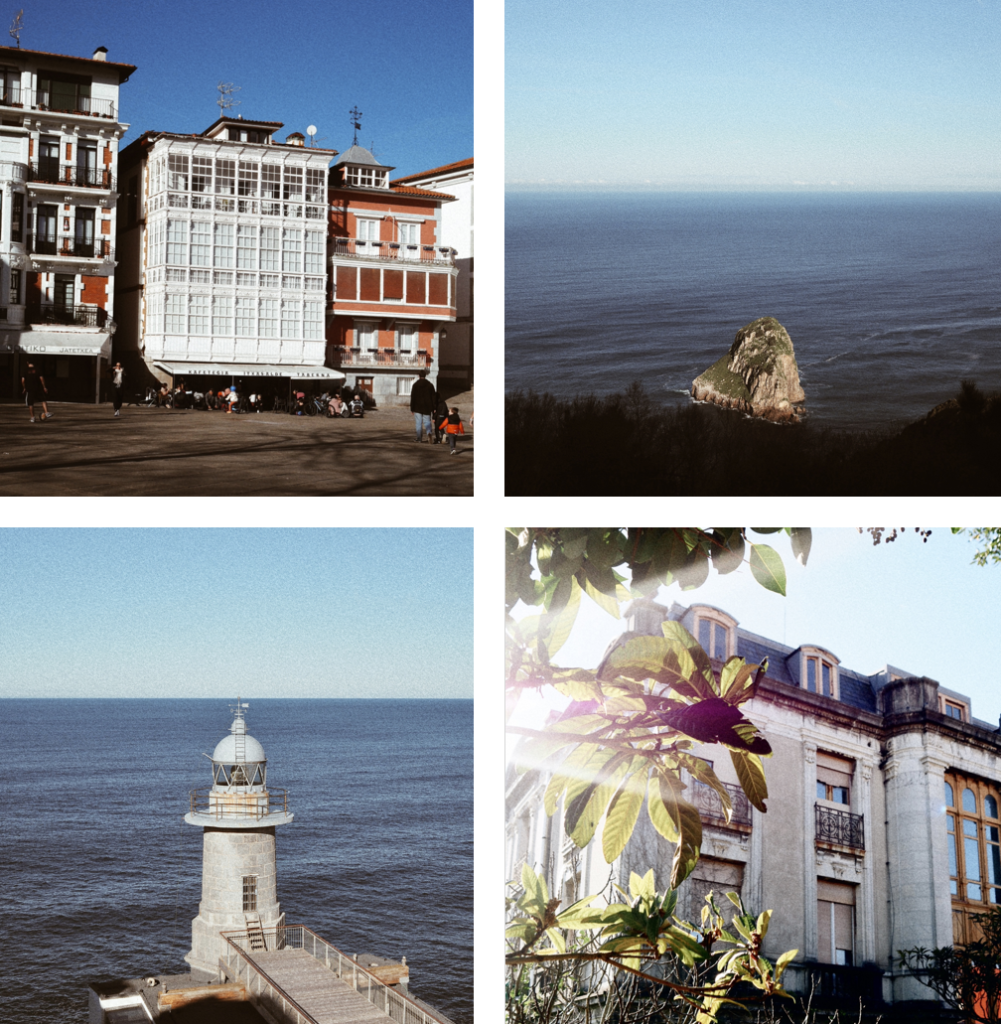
[(835, 922)]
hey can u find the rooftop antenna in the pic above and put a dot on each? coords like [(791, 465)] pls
[(15, 27), (226, 101), (355, 122)]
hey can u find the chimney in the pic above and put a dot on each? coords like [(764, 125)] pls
[(101, 53), (295, 139)]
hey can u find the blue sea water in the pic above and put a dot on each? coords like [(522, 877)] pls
[(101, 876), (890, 299)]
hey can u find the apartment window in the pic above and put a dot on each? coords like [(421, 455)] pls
[(10, 83), (313, 322), (713, 638), (249, 892), (366, 177), (974, 845), (176, 314), (201, 174), (291, 318), (834, 778), (953, 709), (198, 314), (245, 314), (293, 183), (820, 674), (718, 877), (222, 314), (201, 243), (316, 249), (86, 163), (368, 232), (225, 177), (270, 244), (368, 337), (246, 280), (177, 168), (269, 318), (835, 922), (316, 183), (84, 242), (292, 251), (246, 247), (271, 176), (14, 298), (63, 92), (404, 385), (248, 179), (177, 241), (46, 228), (17, 217), (223, 256), (407, 339)]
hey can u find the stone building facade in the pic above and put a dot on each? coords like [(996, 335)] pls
[(882, 831)]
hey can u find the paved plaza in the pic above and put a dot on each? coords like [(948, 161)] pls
[(85, 450)]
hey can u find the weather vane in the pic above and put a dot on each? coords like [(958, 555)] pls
[(356, 122), (15, 27), (226, 90)]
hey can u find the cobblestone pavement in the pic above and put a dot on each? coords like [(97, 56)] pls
[(85, 450)]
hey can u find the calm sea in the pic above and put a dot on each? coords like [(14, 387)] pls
[(101, 877), (890, 299)]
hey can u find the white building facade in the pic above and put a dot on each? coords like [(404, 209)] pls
[(882, 831), (59, 133), (456, 349), (224, 244)]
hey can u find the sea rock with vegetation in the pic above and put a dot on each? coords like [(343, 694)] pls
[(757, 376)]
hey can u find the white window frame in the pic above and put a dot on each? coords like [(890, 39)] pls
[(820, 658), (704, 613)]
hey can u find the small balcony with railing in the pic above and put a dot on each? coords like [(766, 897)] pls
[(397, 252), (68, 316), (52, 172), (710, 807), (72, 248), (840, 830), (382, 357), (58, 101)]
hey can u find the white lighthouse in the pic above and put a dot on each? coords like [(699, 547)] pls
[(239, 815)]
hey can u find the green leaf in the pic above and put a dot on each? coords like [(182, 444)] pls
[(585, 812), (802, 539), (645, 886), (622, 814), (534, 885), (560, 623), (767, 568), (767, 529), (695, 571), (556, 939), (595, 583), (751, 775), (728, 549), (663, 802), (660, 817)]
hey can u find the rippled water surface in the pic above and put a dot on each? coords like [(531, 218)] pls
[(102, 877), (890, 300)]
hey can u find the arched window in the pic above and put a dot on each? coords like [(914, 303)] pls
[(974, 848), (949, 798), (969, 801), (990, 807)]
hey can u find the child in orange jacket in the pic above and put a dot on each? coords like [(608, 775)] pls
[(452, 426)]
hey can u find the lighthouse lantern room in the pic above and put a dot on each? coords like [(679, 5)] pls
[(238, 816)]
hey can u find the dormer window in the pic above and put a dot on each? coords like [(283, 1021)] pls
[(819, 672), (953, 709), (366, 177), (715, 633)]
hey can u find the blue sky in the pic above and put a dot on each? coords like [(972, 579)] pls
[(214, 612), (754, 94), (407, 66), (921, 607)]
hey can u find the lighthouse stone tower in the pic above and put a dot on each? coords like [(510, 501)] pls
[(238, 816)]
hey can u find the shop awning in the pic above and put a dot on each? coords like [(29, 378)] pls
[(250, 370), (63, 343)]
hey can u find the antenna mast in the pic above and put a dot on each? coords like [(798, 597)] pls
[(15, 27), (355, 122), (225, 101)]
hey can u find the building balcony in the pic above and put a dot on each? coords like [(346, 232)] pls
[(381, 357), (51, 172), (76, 316), (710, 807), (840, 829), (838, 985), (398, 252), (73, 248), (31, 99)]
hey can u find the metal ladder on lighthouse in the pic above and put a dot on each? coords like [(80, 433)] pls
[(255, 932)]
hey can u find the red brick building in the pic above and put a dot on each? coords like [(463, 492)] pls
[(392, 278)]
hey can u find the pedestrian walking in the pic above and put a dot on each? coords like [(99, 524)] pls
[(33, 385), (117, 383), (422, 406), (452, 427), (440, 412)]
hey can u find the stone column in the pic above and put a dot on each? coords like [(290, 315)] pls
[(809, 951), (865, 903)]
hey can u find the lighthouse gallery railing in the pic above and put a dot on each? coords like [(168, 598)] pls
[(239, 803), (240, 965)]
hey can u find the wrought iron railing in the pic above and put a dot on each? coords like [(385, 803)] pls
[(397, 251), (43, 99), (840, 828), (234, 804), (710, 807), (263, 991), (79, 316), (381, 357), (71, 247), (838, 984), (52, 172)]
